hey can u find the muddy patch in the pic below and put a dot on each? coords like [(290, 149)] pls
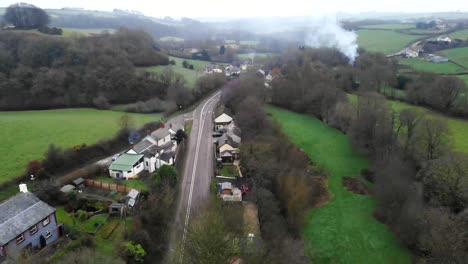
[(355, 186)]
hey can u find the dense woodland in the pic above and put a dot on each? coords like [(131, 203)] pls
[(420, 184), (39, 72)]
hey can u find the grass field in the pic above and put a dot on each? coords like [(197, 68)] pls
[(458, 127), (464, 78), (423, 65), (69, 32), (390, 26), (384, 41), (344, 230), (249, 42), (229, 171), (459, 55), (255, 55), (26, 135), (190, 76), (135, 184), (462, 34)]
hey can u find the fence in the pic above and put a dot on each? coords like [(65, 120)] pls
[(107, 186)]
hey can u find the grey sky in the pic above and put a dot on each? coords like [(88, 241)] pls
[(254, 8)]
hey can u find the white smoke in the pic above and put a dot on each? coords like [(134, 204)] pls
[(326, 32)]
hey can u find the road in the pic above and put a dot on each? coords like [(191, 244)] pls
[(414, 46), (198, 170)]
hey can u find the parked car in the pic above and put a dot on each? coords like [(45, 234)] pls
[(217, 134)]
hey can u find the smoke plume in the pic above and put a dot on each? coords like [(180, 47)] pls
[(326, 32)]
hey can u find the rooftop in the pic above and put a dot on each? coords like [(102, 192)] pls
[(160, 133), (20, 213), (125, 162), (223, 118)]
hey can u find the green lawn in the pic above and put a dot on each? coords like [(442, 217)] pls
[(190, 76), (343, 230), (10, 191), (458, 127), (90, 225), (384, 41), (390, 26), (26, 135), (458, 55), (462, 34), (423, 65), (229, 171), (135, 183), (249, 42)]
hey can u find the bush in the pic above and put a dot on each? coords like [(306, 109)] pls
[(82, 215), (50, 30), (101, 102), (151, 106), (136, 252)]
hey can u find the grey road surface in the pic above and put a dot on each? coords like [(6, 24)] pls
[(198, 170)]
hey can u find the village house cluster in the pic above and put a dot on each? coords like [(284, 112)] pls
[(228, 175), (152, 152)]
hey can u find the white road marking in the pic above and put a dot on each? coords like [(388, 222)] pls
[(189, 203)]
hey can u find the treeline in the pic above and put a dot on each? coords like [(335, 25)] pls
[(128, 21), (284, 183), (421, 186), (39, 72)]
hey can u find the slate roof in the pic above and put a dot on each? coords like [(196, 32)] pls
[(160, 133), (78, 181), (226, 139), (125, 162), (223, 118), (166, 156), (143, 145), (20, 213)]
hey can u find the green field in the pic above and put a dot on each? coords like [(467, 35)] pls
[(390, 26), (190, 76), (462, 34), (464, 78), (249, 42), (423, 65), (255, 55), (458, 127), (343, 230), (458, 55), (69, 32), (385, 41), (26, 135)]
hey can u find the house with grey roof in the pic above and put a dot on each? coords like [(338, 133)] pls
[(26, 221), (127, 166)]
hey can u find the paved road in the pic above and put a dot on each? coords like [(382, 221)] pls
[(198, 170)]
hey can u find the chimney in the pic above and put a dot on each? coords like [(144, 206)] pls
[(23, 188), (170, 125)]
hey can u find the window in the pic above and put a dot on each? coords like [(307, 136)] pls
[(147, 164), (19, 239), (33, 230), (46, 221), (48, 234), (129, 171)]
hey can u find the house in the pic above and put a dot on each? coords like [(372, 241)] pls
[(437, 59), (260, 73), (127, 166), (162, 136), (444, 39), (26, 221), (411, 53), (222, 121), (173, 128), (227, 149), (269, 77), (232, 71)]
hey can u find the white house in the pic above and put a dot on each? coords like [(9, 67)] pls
[(269, 78), (162, 136), (222, 121), (127, 166), (444, 39), (173, 128)]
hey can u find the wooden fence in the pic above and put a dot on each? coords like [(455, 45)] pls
[(107, 186)]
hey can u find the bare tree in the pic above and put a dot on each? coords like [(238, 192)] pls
[(432, 138)]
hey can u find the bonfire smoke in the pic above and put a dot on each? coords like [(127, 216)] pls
[(326, 32)]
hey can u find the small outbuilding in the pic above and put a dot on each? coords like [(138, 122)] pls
[(67, 188)]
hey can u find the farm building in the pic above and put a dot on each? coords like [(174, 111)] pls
[(222, 121), (127, 166)]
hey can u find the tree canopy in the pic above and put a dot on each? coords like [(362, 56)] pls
[(26, 16)]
